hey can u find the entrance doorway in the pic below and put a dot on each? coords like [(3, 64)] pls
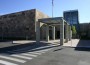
[(50, 34), (58, 35)]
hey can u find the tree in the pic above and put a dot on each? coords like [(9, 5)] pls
[(74, 32)]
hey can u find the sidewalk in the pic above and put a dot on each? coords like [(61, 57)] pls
[(78, 43), (72, 43)]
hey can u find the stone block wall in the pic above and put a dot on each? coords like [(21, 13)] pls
[(20, 25)]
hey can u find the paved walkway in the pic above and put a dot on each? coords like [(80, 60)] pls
[(78, 43), (73, 43)]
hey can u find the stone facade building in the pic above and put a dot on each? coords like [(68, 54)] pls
[(23, 25), (20, 25), (85, 30)]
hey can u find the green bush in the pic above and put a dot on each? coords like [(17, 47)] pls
[(74, 32)]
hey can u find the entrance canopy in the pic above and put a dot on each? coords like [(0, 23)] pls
[(53, 21)]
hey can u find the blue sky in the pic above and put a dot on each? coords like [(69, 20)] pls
[(10, 6)]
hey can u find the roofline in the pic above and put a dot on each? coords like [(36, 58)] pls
[(71, 11), (17, 12), (51, 18), (42, 12)]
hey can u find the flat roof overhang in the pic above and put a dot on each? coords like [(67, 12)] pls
[(53, 21)]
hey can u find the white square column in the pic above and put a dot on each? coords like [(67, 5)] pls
[(53, 32), (38, 32), (66, 33), (70, 33), (61, 32), (47, 33)]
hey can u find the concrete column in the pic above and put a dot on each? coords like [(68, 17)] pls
[(70, 33), (66, 33), (38, 32), (53, 32), (61, 32), (47, 33)]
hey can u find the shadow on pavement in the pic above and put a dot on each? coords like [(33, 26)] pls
[(83, 45), (58, 49), (23, 48)]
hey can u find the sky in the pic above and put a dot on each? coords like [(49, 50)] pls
[(45, 6)]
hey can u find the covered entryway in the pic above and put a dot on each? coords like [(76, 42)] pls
[(54, 22)]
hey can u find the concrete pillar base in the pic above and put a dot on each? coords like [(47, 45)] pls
[(53, 32), (38, 32), (47, 33), (62, 32), (66, 33)]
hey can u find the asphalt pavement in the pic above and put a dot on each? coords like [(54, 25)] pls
[(62, 56), (43, 54)]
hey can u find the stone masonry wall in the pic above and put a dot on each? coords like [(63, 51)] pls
[(18, 25)]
